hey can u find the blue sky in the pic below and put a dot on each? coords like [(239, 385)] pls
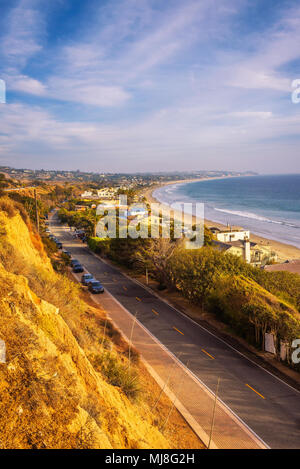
[(150, 85)]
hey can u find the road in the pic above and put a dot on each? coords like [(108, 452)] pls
[(267, 405)]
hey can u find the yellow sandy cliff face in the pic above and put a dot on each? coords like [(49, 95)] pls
[(51, 395)]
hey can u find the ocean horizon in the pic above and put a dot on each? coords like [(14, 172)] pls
[(267, 205)]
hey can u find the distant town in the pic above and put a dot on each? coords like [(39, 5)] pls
[(113, 179)]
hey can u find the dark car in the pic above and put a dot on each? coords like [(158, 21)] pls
[(96, 287), (80, 233), (67, 253), (59, 245), (74, 262), (86, 279), (77, 269)]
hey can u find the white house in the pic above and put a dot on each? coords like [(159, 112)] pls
[(106, 192), (86, 194), (227, 236)]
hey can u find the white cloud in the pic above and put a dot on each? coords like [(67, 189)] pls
[(252, 114), (175, 132), (87, 92), (26, 84), (274, 48), (254, 77), (24, 27)]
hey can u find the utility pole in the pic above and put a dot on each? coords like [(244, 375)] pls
[(36, 212)]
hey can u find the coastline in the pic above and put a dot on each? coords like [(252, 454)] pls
[(283, 250)]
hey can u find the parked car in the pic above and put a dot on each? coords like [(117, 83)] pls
[(67, 253), (86, 279), (59, 245), (74, 262), (77, 269), (80, 234), (95, 287)]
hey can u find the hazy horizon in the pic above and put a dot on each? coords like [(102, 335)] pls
[(145, 85), (154, 172)]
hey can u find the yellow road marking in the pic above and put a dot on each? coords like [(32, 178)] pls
[(178, 330), (137, 298), (208, 354), (155, 312), (255, 391)]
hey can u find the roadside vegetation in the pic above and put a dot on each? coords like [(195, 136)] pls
[(86, 220), (251, 301)]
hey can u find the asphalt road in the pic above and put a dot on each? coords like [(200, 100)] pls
[(270, 407)]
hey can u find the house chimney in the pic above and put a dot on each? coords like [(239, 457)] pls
[(247, 250)]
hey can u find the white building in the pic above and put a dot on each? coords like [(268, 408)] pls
[(106, 193), (86, 194), (227, 236)]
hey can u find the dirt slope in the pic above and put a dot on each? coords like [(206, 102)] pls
[(54, 392)]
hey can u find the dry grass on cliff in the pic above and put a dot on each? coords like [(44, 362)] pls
[(66, 382)]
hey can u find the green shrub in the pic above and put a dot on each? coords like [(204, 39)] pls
[(118, 374), (99, 245)]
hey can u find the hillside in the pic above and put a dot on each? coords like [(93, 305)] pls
[(252, 302), (66, 382)]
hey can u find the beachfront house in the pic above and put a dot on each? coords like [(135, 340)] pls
[(228, 235), (255, 254)]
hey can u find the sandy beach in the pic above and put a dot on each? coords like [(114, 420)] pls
[(284, 251)]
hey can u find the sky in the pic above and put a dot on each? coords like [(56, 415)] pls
[(150, 85)]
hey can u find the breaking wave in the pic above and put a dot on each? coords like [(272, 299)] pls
[(254, 216)]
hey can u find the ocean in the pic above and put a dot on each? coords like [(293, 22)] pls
[(268, 206)]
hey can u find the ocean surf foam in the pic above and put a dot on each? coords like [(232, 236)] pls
[(254, 216)]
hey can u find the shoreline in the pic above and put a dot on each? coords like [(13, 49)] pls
[(283, 250)]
